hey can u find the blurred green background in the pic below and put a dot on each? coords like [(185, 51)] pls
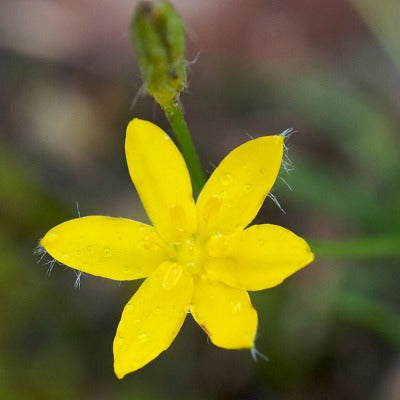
[(330, 70)]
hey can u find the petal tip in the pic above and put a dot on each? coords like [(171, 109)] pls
[(118, 374), (138, 123), (310, 256)]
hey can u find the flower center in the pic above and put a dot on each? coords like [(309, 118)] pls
[(189, 254)]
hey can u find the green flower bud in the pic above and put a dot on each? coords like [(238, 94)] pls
[(158, 39)]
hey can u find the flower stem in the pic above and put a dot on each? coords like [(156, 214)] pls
[(358, 248), (174, 114)]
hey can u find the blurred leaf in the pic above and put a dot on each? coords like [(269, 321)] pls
[(328, 191), (357, 248), (359, 309), (383, 19), (363, 131), (25, 205)]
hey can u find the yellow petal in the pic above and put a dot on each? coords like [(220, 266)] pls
[(114, 248), (237, 188), (260, 257), (152, 318), (225, 314), (162, 180)]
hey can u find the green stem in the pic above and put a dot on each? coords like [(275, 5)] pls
[(174, 114), (357, 248)]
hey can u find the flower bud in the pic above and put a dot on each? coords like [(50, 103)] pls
[(158, 39)]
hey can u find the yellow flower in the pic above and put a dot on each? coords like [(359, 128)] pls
[(197, 257)]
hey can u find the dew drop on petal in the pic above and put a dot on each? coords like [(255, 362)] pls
[(178, 217), (226, 179), (142, 337), (107, 251), (89, 249), (247, 188), (236, 306), (172, 276)]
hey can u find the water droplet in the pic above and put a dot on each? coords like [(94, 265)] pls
[(52, 237), (261, 243), (172, 276), (178, 217), (118, 235), (236, 306), (247, 188), (79, 252), (89, 249), (263, 171), (166, 137), (129, 307), (150, 243), (64, 257), (142, 337), (120, 335), (107, 251), (189, 245), (191, 265), (226, 179)]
